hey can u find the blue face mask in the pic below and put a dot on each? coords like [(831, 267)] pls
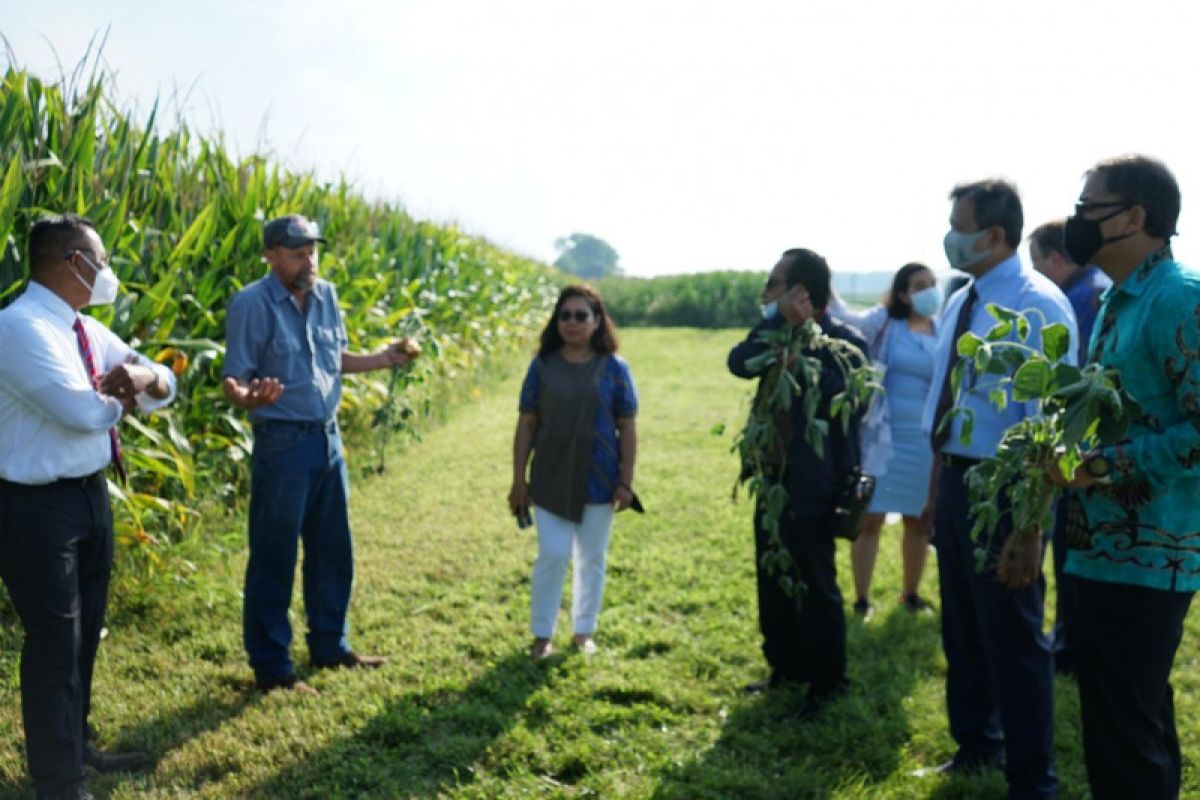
[(927, 302), (958, 248), (770, 309)]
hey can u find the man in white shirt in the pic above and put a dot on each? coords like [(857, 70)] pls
[(65, 382)]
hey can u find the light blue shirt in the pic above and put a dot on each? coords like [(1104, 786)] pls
[(268, 336), (1012, 285)]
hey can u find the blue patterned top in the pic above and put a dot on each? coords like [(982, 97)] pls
[(618, 398), (1142, 528)]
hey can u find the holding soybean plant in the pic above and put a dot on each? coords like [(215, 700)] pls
[(1081, 409), (791, 373)]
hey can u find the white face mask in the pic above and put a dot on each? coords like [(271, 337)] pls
[(770, 309), (103, 287), (958, 248), (927, 301)]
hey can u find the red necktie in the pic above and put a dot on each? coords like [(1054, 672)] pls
[(85, 348)]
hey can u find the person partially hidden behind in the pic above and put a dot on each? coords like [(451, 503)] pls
[(805, 642), (284, 360), (1083, 286), (66, 381)]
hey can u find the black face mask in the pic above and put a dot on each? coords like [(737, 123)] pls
[(1082, 238)]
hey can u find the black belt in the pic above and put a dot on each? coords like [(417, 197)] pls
[(84, 481), (329, 426), (958, 462)]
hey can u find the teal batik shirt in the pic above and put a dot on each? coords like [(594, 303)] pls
[(1144, 527)]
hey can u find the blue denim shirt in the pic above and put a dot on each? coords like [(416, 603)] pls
[(268, 336), (1014, 286), (1143, 528)]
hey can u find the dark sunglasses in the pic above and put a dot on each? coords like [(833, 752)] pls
[(1083, 208), (579, 316)]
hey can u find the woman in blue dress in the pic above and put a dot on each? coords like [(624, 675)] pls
[(901, 334)]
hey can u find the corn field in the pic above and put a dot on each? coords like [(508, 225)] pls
[(182, 220)]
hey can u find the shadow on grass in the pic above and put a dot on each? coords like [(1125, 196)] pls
[(157, 737), (857, 741), (421, 744)]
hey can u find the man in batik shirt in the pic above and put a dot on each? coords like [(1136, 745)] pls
[(1137, 537)]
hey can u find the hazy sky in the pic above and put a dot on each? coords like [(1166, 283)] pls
[(690, 135)]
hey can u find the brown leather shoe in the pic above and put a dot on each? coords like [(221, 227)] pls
[(353, 660), (289, 682), (541, 649), (584, 643)]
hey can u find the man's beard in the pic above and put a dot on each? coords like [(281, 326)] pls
[(305, 281)]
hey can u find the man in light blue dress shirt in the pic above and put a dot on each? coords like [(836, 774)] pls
[(285, 355), (999, 682)]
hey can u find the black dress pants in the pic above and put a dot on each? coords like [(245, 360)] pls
[(999, 668), (804, 636), (56, 549), (1127, 638)]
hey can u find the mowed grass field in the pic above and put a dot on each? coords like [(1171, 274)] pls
[(460, 712)]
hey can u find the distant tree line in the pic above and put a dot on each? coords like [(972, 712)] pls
[(727, 299)]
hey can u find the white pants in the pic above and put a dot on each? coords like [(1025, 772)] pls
[(557, 537)]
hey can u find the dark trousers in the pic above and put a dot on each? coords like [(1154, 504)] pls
[(1064, 615), (1127, 640), (298, 492), (804, 636), (1000, 673), (56, 549)]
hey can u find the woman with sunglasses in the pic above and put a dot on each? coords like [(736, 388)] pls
[(577, 410)]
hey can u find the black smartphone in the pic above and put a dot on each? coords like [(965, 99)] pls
[(524, 520)]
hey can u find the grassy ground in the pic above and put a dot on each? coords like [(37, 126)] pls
[(442, 587)]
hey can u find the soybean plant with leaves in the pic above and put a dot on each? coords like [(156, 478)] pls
[(1081, 409), (791, 373)]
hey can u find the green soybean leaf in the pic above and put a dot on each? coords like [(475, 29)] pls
[(1056, 340), (1031, 381)]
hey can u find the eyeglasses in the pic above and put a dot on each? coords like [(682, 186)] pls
[(567, 315), (1085, 207), (94, 263)]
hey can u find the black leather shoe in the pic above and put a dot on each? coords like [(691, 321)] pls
[(132, 761), (774, 681), (959, 766), (817, 699)]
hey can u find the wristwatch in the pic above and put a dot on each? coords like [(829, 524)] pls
[(1099, 467)]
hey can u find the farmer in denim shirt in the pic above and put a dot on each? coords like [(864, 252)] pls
[(284, 360)]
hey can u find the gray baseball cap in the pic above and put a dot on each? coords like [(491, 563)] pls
[(293, 230)]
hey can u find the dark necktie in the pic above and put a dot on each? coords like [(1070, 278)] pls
[(85, 349), (946, 398)]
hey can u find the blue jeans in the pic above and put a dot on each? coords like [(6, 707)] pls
[(298, 492)]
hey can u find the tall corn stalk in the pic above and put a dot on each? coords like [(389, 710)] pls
[(182, 218)]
